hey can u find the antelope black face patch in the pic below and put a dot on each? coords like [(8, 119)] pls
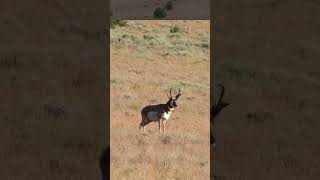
[(172, 102)]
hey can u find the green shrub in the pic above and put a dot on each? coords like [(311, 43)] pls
[(120, 23), (159, 13), (175, 29), (148, 37), (169, 5)]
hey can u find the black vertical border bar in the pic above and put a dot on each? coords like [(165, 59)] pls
[(108, 72), (105, 157), (108, 84)]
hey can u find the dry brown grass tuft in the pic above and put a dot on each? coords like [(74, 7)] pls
[(140, 73)]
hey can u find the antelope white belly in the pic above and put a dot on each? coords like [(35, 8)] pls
[(153, 115)]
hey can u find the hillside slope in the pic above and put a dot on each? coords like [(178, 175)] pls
[(147, 59)]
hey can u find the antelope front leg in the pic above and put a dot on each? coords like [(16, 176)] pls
[(164, 126), (159, 126)]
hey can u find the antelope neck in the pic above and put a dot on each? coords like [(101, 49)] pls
[(168, 108)]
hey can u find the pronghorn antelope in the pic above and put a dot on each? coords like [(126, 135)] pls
[(215, 110), (159, 113)]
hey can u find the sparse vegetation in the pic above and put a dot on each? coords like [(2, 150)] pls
[(120, 23), (175, 29), (170, 41), (148, 61)]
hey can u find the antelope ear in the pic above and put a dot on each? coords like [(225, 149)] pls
[(177, 96)]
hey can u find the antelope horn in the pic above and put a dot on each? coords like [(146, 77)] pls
[(179, 94), (170, 92), (167, 94)]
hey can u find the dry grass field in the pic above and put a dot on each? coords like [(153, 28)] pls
[(147, 59)]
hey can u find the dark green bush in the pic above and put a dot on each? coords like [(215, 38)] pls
[(159, 13), (169, 5)]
